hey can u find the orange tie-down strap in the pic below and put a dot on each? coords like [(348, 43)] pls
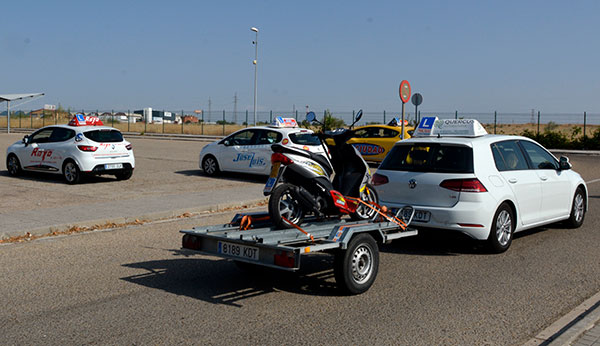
[(246, 222), (377, 208), (300, 229)]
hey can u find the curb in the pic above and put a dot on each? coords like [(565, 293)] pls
[(164, 215), (571, 326)]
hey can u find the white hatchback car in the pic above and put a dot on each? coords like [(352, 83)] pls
[(81, 147), (249, 150), (458, 177)]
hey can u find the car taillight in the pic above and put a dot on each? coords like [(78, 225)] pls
[(379, 179), (87, 148), (128, 146), (463, 185), (279, 157)]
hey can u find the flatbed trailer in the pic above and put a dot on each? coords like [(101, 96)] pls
[(354, 244)]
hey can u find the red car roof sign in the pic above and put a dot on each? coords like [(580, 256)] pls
[(284, 122), (81, 120)]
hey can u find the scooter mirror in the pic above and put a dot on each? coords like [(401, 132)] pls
[(358, 116), (310, 117)]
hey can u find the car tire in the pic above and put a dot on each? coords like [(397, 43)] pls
[(71, 172), (210, 166), (355, 268), (282, 204), (13, 165), (363, 212), (577, 216), (125, 174), (502, 229)]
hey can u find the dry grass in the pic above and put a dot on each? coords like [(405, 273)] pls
[(219, 130)]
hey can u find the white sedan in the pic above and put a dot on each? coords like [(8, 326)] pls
[(458, 177), (249, 150), (83, 146)]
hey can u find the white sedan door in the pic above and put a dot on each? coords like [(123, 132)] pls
[(555, 185)]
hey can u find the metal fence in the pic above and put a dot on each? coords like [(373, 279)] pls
[(224, 122)]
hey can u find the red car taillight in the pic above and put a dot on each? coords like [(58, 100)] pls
[(279, 157), (129, 147), (379, 179), (463, 185), (87, 148)]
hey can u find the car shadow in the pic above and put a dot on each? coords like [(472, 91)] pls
[(221, 281), (430, 242), (58, 178), (243, 177)]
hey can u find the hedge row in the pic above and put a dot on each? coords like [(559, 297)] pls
[(557, 140)]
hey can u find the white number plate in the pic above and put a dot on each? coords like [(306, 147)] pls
[(235, 250), (420, 215), (113, 166)]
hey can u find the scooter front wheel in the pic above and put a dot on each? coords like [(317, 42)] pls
[(368, 195), (282, 205)]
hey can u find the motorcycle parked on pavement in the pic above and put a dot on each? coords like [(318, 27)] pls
[(330, 185)]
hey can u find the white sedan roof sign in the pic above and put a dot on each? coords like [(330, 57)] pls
[(432, 126)]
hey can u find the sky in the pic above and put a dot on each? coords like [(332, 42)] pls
[(471, 56)]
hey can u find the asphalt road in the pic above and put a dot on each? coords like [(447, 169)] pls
[(136, 286)]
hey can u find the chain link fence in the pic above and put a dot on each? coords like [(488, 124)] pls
[(225, 122)]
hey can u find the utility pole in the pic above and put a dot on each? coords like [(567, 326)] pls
[(235, 99), (209, 105)]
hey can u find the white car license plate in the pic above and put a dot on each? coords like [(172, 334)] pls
[(420, 215), (113, 166), (235, 250)]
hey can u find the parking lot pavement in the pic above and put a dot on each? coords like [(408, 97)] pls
[(166, 182)]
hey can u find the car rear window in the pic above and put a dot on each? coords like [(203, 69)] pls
[(104, 136), (304, 138), (426, 157)]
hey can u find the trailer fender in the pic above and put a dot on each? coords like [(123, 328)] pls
[(343, 234)]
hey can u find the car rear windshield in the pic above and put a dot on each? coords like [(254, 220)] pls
[(427, 157), (104, 136), (304, 138)]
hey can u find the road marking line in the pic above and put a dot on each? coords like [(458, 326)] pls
[(592, 181)]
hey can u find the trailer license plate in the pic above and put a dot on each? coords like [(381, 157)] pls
[(235, 250), (113, 166)]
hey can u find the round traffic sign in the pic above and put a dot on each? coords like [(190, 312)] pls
[(417, 99), (404, 91)]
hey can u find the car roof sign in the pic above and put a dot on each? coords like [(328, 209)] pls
[(432, 126), (284, 122), (82, 120), (397, 122)]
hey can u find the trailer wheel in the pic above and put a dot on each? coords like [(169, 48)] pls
[(355, 268)]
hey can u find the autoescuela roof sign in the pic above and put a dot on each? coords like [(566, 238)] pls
[(432, 126)]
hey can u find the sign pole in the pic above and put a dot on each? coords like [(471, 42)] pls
[(404, 96), (402, 137)]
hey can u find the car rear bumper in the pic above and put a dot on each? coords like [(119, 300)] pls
[(97, 165), (472, 219)]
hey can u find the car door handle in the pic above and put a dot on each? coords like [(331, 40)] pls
[(544, 178), (512, 180)]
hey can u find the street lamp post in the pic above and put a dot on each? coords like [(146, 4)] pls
[(255, 68)]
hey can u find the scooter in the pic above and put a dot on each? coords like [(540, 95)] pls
[(330, 185)]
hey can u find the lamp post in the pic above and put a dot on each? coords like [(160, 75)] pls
[(255, 68)]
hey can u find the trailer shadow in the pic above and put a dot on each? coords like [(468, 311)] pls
[(431, 242), (221, 281)]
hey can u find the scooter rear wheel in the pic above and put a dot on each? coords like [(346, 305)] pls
[(363, 212), (283, 205)]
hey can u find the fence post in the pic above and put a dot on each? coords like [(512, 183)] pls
[(455, 114), (128, 119), (182, 121), (31, 118), (296, 116), (246, 118), (383, 117), (584, 122), (146, 123), (20, 116), (495, 121), (163, 129), (538, 127), (202, 123), (223, 122), (43, 118), (271, 117), (112, 117)]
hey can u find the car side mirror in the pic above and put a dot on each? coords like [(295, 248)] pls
[(564, 163), (227, 143), (26, 139)]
